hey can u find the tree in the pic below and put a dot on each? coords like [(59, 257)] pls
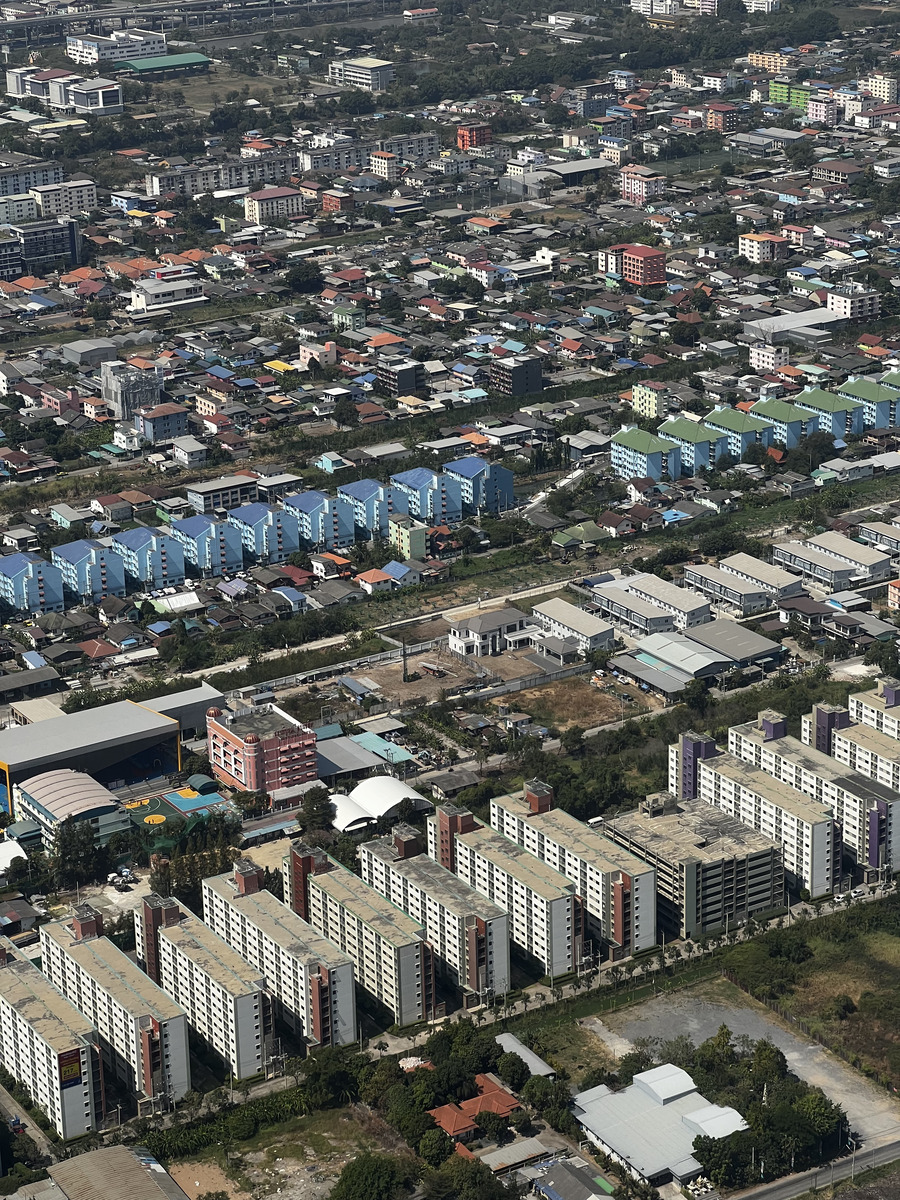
[(316, 809), (370, 1177), (303, 276), (513, 1070), (435, 1147), (75, 858), (345, 411), (494, 1127)]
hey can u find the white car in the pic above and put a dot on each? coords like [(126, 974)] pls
[(860, 891)]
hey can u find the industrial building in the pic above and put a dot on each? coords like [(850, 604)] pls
[(53, 797), (48, 1046), (712, 871), (616, 889), (310, 980), (469, 933), (143, 1032), (225, 999), (545, 919), (394, 962)]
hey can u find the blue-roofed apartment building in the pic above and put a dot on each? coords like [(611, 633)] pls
[(429, 496), (211, 547), (151, 557), (484, 486), (90, 570), (268, 535), (789, 424), (30, 584), (372, 504), (322, 521)]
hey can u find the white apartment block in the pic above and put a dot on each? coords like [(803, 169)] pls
[(765, 358), (369, 74), (65, 199), (879, 709), (273, 203), (639, 617), (804, 828), (310, 980), (543, 918), (866, 751), (411, 145), (867, 812), (385, 165), (143, 1032), (48, 1046), (560, 619), (149, 296), (121, 45), (882, 87), (729, 591), (15, 209), (833, 561), (686, 608), (469, 933), (853, 302), (617, 891), (224, 998), (774, 580)]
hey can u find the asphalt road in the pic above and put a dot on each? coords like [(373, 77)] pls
[(823, 1177)]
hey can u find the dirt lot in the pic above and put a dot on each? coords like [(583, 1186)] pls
[(389, 676), (195, 1178), (424, 631), (568, 702), (698, 1012)]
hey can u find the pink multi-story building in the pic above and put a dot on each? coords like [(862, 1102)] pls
[(260, 749), (640, 184)]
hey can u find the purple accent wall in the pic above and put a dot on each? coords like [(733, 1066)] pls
[(774, 729), (891, 696), (693, 749), (874, 838), (825, 722)]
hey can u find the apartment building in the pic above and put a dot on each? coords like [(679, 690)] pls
[(225, 999), (518, 375), (368, 74), (260, 749), (727, 590), (143, 1032), (90, 571), (14, 209), (616, 889), (385, 165), (637, 454), (687, 608), (473, 134), (273, 203), (777, 582), (830, 729), (638, 616), (565, 621), (311, 981), (20, 172), (650, 398), (641, 265), (150, 556), (882, 87), (712, 871), (468, 932), (833, 561), (545, 918), (392, 957), (416, 146), (769, 60), (641, 184), (150, 296), (48, 1046), (805, 828), (866, 810), (221, 495), (223, 174), (65, 199), (763, 247), (38, 246), (853, 302), (879, 709)]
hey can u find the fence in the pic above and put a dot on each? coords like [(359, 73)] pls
[(530, 681), (808, 1031)]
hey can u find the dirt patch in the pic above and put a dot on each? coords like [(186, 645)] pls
[(195, 1178), (456, 673), (422, 631), (568, 702)]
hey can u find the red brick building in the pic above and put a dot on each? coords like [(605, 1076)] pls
[(721, 117), (640, 265), (472, 134)]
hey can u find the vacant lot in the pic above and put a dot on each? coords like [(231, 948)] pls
[(456, 673), (203, 92), (198, 1177), (872, 1113), (569, 702)]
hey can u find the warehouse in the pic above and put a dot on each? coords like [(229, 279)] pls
[(165, 66), (123, 740), (56, 796)]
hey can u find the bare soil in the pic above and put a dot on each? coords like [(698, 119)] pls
[(568, 702), (195, 1178)]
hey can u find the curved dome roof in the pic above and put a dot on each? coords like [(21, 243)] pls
[(68, 793), (349, 817), (378, 794)]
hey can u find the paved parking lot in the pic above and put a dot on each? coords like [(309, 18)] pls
[(873, 1114)]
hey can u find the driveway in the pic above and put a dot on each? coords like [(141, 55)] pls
[(870, 1111)]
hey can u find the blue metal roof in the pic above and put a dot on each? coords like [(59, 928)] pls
[(135, 539), (32, 659), (395, 569), (220, 372), (74, 552), (250, 514), (417, 477), (469, 467), (306, 501), (360, 489), (15, 564), (193, 526)]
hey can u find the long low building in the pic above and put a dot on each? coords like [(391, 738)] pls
[(225, 999), (880, 534), (393, 960), (867, 812), (561, 619), (724, 588), (310, 980), (616, 889), (777, 582), (833, 561), (143, 1032), (544, 920), (53, 797), (49, 1046), (712, 871), (687, 608), (634, 614), (469, 933), (806, 829)]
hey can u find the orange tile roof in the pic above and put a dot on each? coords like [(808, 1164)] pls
[(452, 1120), (385, 339)]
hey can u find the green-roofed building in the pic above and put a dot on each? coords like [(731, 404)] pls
[(789, 423), (164, 66), (701, 447), (880, 403), (742, 429), (637, 454), (838, 415)]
